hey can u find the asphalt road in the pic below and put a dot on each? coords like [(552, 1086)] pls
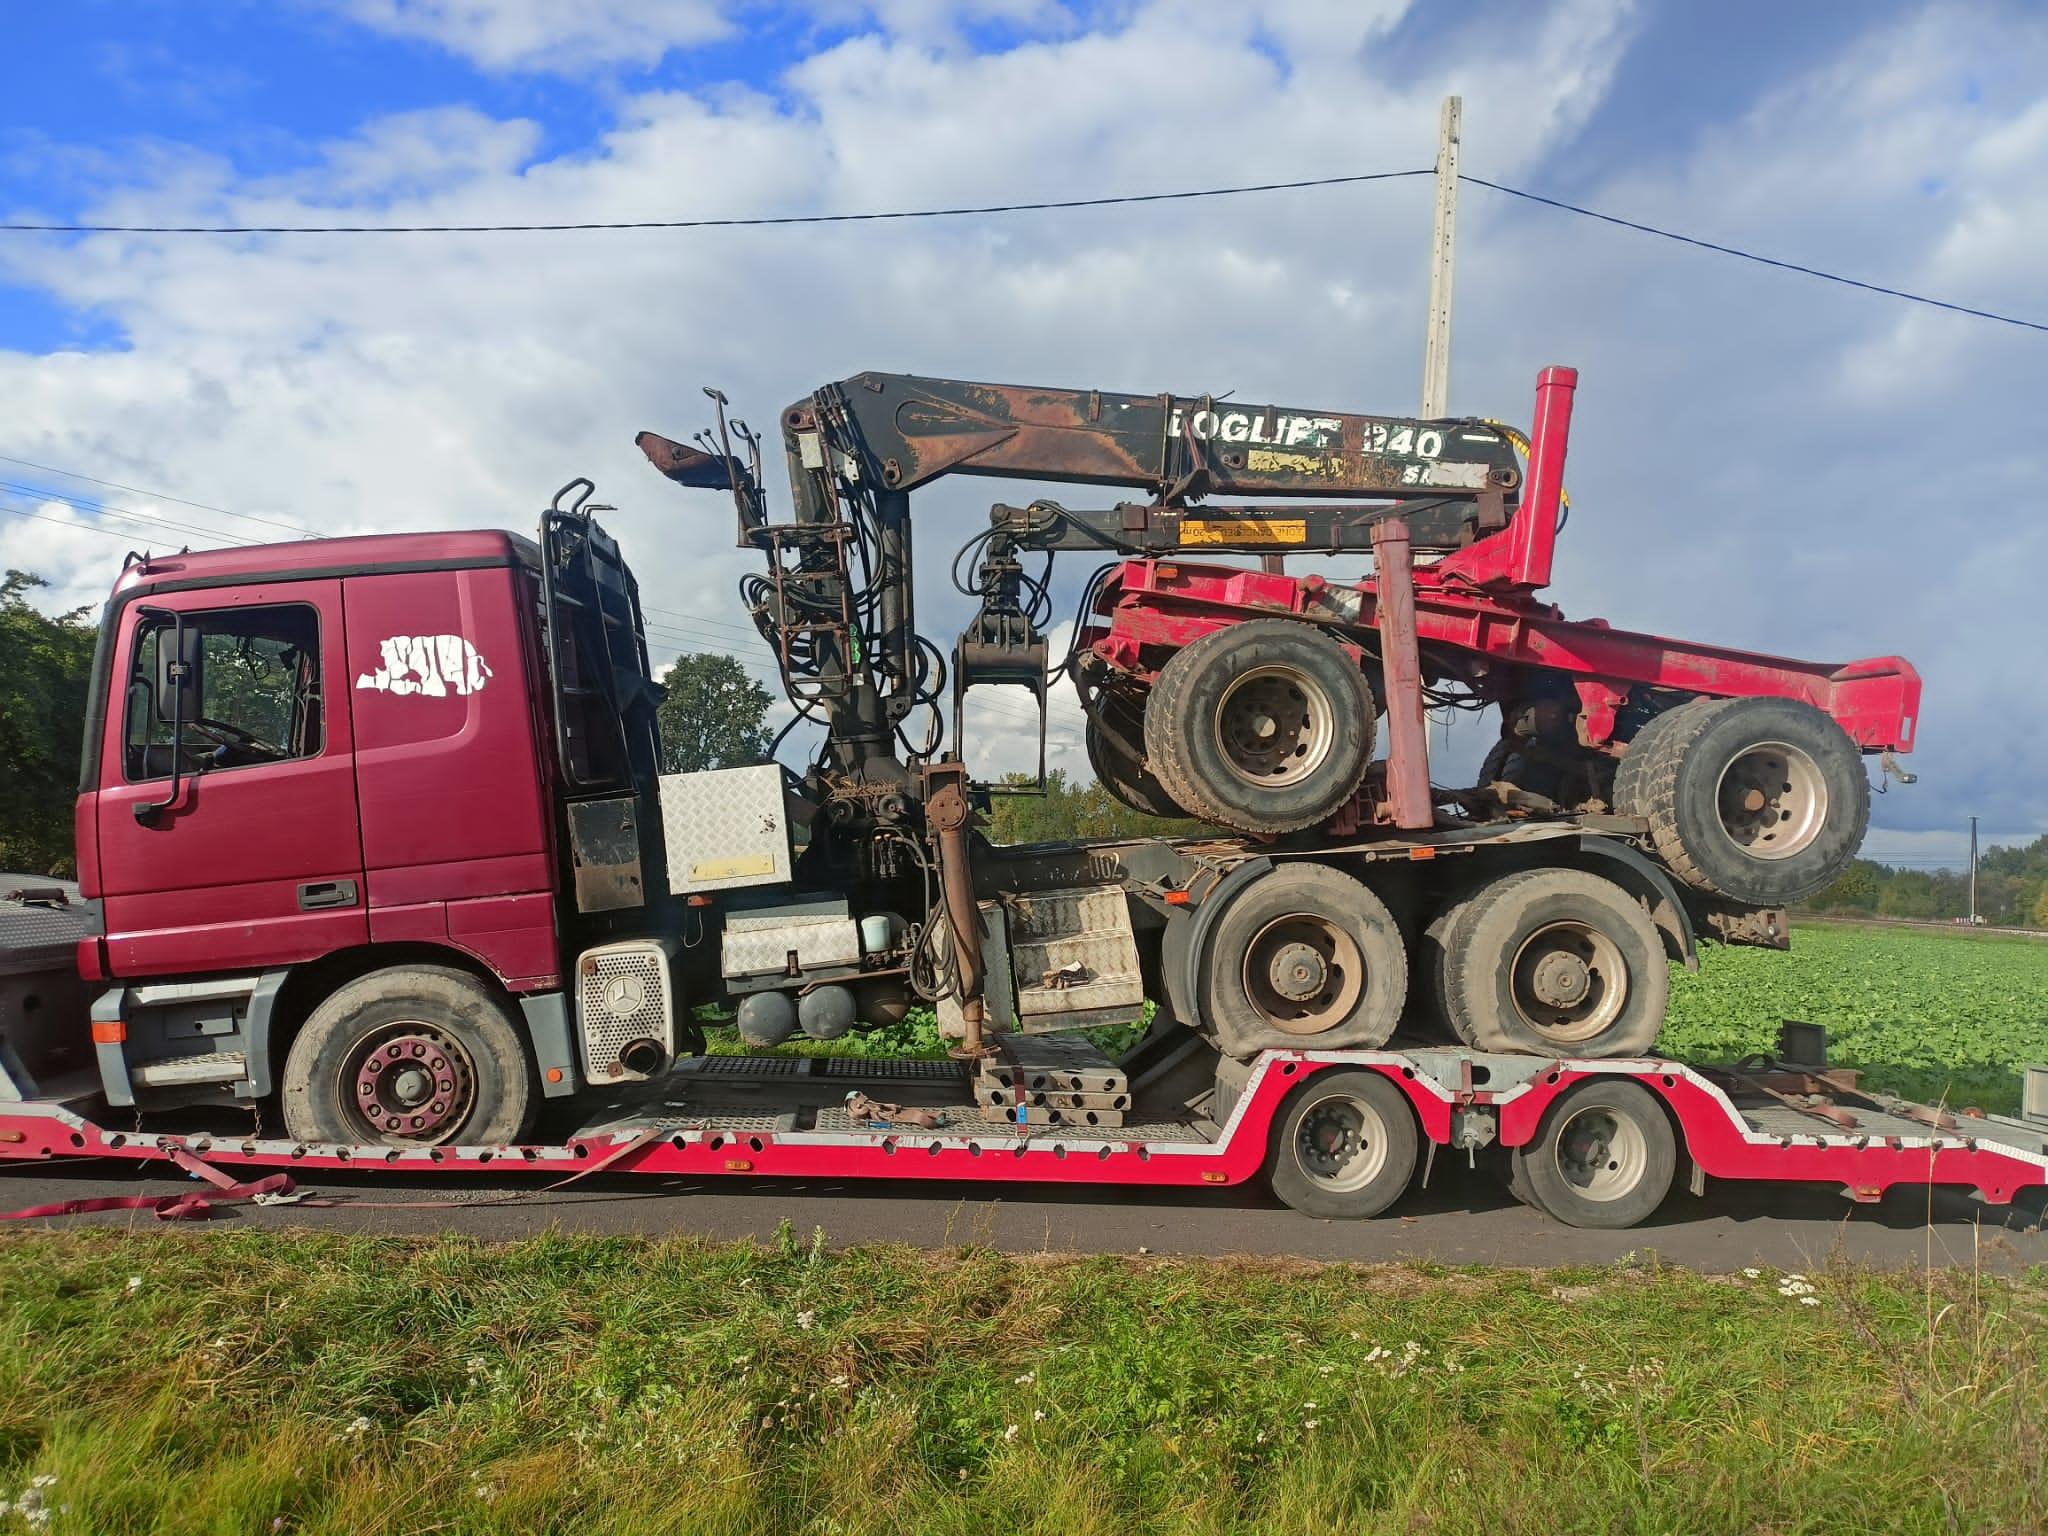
[(1464, 1218)]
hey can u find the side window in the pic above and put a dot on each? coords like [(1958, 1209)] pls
[(258, 690)]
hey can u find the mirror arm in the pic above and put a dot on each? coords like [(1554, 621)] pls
[(146, 811)]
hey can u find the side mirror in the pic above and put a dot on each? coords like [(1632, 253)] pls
[(180, 675)]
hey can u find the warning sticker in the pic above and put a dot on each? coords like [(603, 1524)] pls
[(1263, 531)]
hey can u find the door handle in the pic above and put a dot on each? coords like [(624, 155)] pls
[(327, 893)]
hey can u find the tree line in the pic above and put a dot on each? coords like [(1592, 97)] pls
[(2012, 890)]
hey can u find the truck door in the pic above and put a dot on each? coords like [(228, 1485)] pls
[(228, 836)]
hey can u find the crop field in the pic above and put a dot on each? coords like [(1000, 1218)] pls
[(1923, 1012), (1930, 1014)]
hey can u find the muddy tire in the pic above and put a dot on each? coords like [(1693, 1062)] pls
[(1344, 1145), (1760, 801), (1428, 988), (1556, 962), (415, 1056), (1628, 772), (1605, 1157), (1262, 727), (1304, 958), (1116, 751)]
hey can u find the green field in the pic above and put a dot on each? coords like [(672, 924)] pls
[(1927, 1013), (262, 1382)]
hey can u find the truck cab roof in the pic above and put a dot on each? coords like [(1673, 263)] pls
[(306, 559)]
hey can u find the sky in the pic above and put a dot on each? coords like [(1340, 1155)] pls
[(1758, 459)]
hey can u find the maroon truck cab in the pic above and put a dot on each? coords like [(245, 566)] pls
[(364, 777)]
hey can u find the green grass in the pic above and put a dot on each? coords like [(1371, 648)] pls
[(310, 1383), (1927, 1013)]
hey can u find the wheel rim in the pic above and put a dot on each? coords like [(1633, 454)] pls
[(409, 1082), (1340, 1143), (1601, 1153), (1274, 726), (1303, 973), (1773, 800), (1569, 981)]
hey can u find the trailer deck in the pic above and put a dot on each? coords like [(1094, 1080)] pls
[(787, 1117)]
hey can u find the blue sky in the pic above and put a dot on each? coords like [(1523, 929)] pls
[(1761, 461)]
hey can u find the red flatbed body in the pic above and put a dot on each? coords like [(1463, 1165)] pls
[(658, 1130)]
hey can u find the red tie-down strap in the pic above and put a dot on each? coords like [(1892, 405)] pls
[(227, 1190)]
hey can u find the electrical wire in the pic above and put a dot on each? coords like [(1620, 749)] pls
[(757, 222), (770, 221), (1761, 260)]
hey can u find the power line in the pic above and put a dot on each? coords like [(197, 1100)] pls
[(759, 222), (1767, 261), (136, 490), (980, 210)]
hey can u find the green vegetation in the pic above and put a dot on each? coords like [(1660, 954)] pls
[(303, 1383), (1068, 811), (1929, 1013), (44, 664), (2012, 889), (712, 714)]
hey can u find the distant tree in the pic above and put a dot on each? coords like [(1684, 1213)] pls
[(1856, 891), (2038, 918), (712, 715), (45, 663), (1909, 893)]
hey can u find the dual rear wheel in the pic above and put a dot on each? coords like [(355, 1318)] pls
[(1345, 1145)]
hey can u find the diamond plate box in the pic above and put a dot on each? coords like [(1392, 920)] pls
[(724, 828)]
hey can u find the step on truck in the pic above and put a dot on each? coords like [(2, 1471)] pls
[(378, 866)]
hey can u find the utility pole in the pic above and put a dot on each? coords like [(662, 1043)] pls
[(1436, 347), (1973, 871)]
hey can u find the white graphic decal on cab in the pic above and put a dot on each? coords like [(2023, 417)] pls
[(436, 665)]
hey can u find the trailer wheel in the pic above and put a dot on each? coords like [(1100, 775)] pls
[(1344, 1146), (1264, 726), (1605, 1157), (1304, 958), (1431, 986), (1761, 801), (1115, 737), (415, 1056), (1556, 962)]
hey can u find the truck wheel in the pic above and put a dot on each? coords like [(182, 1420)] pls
[(1304, 958), (1605, 1157), (1628, 772), (1431, 985), (1556, 962), (1761, 801), (416, 1056), (1116, 751), (1344, 1146), (1265, 727)]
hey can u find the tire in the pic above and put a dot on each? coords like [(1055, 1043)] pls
[(1605, 1157), (1433, 1009), (1115, 737), (1263, 727), (1759, 801), (1304, 958), (1556, 962), (1641, 748), (1344, 1146), (439, 1019)]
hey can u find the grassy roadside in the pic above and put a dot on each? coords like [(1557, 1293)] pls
[(252, 1381)]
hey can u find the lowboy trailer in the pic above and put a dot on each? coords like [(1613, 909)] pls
[(379, 866)]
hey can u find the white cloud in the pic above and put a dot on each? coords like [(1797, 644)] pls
[(1759, 461), (556, 36)]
